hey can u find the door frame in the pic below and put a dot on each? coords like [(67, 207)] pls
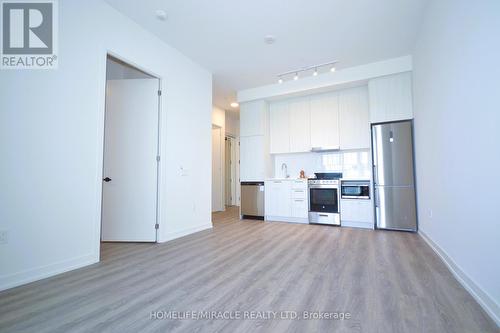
[(101, 138)]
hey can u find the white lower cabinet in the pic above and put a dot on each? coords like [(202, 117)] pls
[(356, 213), (299, 208), (286, 200), (277, 198)]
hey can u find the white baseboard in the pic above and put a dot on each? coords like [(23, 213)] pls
[(184, 232), (353, 224), (485, 301), (287, 219), (35, 274)]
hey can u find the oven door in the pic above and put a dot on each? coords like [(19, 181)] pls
[(323, 199)]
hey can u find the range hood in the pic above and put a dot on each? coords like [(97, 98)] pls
[(324, 149)]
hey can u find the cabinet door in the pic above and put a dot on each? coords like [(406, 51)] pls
[(299, 208), (270, 204), (253, 118), (300, 131), (277, 194), (391, 98), (279, 128), (252, 158), (325, 121), (354, 118), (356, 210)]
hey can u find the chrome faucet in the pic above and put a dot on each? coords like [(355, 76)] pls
[(284, 170)]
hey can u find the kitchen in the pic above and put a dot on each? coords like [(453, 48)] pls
[(312, 157)]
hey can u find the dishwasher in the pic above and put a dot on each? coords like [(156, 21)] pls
[(252, 200)]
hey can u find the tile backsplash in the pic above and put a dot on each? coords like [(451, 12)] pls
[(354, 164)]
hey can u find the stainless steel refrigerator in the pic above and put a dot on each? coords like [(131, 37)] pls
[(393, 176)]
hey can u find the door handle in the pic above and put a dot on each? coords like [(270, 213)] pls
[(107, 179)]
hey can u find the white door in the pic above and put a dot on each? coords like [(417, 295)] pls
[(216, 170), (237, 172), (233, 165), (130, 149), (227, 173)]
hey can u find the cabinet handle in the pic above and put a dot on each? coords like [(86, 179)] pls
[(299, 200), (277, 181), (298, 190)]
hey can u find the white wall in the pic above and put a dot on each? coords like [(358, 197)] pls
[(457, 138), (354, 164), (219, 120), (51, 129), (219, 117), (341, 79)]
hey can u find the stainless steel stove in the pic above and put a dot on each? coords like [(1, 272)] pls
[(324, 195)]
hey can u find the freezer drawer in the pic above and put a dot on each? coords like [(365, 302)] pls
[(395, 208), (252, 199)]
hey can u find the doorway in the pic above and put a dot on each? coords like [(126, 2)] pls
[(131, 154)]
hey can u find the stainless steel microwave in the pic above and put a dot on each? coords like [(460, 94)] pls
[(355, 189)]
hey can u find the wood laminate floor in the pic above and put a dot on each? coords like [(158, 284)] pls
[(386, 282)]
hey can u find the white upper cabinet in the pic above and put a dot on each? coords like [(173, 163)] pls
[(300, 134), (253, 116), (335, 120), (279, 127), (252, 158), (391, 98), (354, 118), (324, 127)]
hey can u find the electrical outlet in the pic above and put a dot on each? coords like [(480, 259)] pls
[(430, 213), (4, 236)]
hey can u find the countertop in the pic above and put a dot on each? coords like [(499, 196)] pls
[(290, 179), (305, 179)]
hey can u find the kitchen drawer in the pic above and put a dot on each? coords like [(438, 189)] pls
[(356, 210), (299, 193), (299, 208), (299, 185)]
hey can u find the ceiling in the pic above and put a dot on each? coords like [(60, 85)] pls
[(227, 36)]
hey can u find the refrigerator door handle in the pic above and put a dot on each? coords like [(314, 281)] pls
[(375, 195)]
